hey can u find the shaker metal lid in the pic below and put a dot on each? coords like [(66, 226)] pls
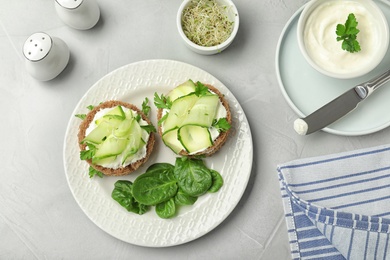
[(70, 4), (37, 46)]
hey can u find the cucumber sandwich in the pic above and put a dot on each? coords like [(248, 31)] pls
[(116, 138), (194, 119)]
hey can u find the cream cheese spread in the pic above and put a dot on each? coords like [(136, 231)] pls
[(117, 163), (320, 36)]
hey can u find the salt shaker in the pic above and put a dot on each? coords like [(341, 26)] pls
[(46, 57), (79, 14)]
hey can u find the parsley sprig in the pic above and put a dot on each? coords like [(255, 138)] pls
[(201, 90), (162, 101), (348, 33), (222, 125)]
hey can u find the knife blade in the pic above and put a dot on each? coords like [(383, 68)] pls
[(340, 106)]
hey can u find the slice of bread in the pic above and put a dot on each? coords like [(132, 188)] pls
[(121, 170), (221, 139)]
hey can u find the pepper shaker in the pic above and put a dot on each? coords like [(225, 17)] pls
[(46, 57), (79, 14)]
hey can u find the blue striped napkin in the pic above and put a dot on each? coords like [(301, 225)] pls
[(338, 206)]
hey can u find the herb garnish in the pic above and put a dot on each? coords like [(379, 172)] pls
[(201, 90), (162, 101), (93, 172), (145, 109), (348, 33), (83, 116), (148, 128), (222, 125)]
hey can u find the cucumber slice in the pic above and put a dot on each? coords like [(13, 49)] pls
[(170, 139), (194, 138), (105, 161), (179, 111), (203, 112), (110, 147), (134, 141), (129, 114), (97, 135), (182, 90), (124, 128), (115, 114)]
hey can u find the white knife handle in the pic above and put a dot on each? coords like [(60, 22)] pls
[(375, 83)]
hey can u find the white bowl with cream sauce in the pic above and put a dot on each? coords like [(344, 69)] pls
[(316, 35)]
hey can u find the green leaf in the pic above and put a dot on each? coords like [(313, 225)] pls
[(146, 107), (222, 125), (162, 101), (217, 181), (93, 172), (200, 89), (162, 119), (340, 30), (156, 185), (123, 194), (88, 153), (166, 209), (193, 177), (148, 128), (348, 33), (184, 199), (81, 116)]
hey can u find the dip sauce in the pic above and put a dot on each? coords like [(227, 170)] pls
[(320, 37)]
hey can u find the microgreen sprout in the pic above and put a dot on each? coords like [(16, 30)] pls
[(206, 23)]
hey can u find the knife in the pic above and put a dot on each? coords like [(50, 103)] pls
[(339, 106)]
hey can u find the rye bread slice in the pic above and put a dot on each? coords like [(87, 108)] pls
[(221, 139), (121, 170)]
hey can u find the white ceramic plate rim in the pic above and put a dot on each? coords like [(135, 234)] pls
[(233, 161), (335, 128)]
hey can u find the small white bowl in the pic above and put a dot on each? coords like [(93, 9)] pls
[(325, 54), (232, 14)]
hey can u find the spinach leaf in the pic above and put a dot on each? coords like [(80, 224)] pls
[(158, 169), (193, 177), (166, 209), (217, 181), (158, 184), (122, 193), (183, 199)]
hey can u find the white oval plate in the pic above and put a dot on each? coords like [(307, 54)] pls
[(306, 90), (132, 83)]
